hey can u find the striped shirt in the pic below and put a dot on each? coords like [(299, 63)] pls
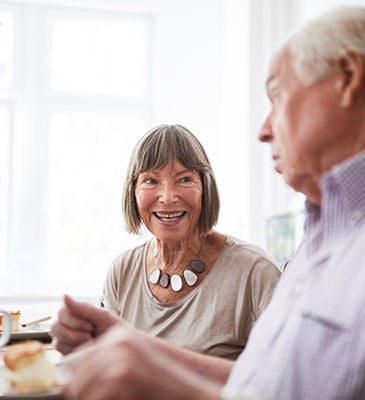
[(310, 342)]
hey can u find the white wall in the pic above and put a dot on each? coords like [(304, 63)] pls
[(308, 9)]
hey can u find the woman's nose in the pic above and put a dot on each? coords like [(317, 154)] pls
[(168, 193)]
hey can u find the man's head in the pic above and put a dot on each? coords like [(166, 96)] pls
[(316, 85)]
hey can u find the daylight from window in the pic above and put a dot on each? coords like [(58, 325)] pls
[(79, 85), (80, 104), (7, 47), (4, 171), (104, 57)]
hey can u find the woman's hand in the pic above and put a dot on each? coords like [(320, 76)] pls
[(78, 323)]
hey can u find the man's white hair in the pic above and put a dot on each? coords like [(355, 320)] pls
[(320, 42)]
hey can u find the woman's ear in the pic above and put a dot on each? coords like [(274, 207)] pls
[(351, 70)]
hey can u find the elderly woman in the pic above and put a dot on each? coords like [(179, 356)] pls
[(189, 284)]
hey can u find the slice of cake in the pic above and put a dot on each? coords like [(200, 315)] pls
[(15, 318), (15, 324), (27, 368)]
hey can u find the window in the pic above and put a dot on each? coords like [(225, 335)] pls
[(104, 56), (101, 59), (6, 81), (4, 172), (7, 47), (80, 103), (80, 82), (87, 160), (284, 233)]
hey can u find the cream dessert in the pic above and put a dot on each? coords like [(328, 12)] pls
[(15, 318), (27, 368)]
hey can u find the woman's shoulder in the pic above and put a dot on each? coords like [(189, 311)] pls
[(134, 254), (247, 250)]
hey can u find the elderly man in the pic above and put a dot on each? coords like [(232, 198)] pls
[(310, 341)]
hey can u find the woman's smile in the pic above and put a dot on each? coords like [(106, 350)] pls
[(170, 216), (170, 197)]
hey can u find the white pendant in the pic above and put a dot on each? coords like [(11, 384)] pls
[(190, 277), (155, 276), (176, 283)]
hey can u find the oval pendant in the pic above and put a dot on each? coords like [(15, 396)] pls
[(190, 277), (198, 266), (164, 280), (176, 283), (155, 276)]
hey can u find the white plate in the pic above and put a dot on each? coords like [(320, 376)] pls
[(51, 395), (38, 332), (7, 394)]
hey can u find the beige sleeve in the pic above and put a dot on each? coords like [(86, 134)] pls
[(264, 280), (110, 291)]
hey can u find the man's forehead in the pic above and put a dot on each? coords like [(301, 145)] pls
[(277, 66)]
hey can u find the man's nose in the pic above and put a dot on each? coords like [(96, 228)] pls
[(265, 133)]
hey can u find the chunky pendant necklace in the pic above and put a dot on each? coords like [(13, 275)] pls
[(190, 276)]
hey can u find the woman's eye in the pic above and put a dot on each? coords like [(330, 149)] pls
[(185, 179), (150, 181)]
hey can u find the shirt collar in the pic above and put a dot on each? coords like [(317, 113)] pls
[(348, 178), (345, 185)]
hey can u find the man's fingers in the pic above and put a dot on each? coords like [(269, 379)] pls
[(95, 316), (66, 336), (84, 311), (67, 318), (63, 348)]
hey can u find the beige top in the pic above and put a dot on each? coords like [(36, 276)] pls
[(215, 317)]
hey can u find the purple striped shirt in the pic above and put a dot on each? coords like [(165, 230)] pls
[(310, 342)]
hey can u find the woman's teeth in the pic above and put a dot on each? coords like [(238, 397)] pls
[(170, 217)]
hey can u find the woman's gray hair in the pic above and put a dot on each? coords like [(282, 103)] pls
[(322, 41), (159, 147)]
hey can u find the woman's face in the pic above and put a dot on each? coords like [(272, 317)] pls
[(169, 201)]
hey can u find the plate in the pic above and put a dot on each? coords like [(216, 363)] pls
[(40, 332), (51, 395), (6, 394)]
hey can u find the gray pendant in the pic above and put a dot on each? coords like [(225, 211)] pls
[(197, 266), (164, 280), (176, 283), (190, 277)]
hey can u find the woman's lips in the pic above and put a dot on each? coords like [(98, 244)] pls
[(169, 217)]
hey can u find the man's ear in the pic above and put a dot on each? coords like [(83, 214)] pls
[(351, 70)]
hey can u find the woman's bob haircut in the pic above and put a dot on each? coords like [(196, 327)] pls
[(160, 146)]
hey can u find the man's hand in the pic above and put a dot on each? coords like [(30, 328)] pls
[(123, 364), (78, 323)]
